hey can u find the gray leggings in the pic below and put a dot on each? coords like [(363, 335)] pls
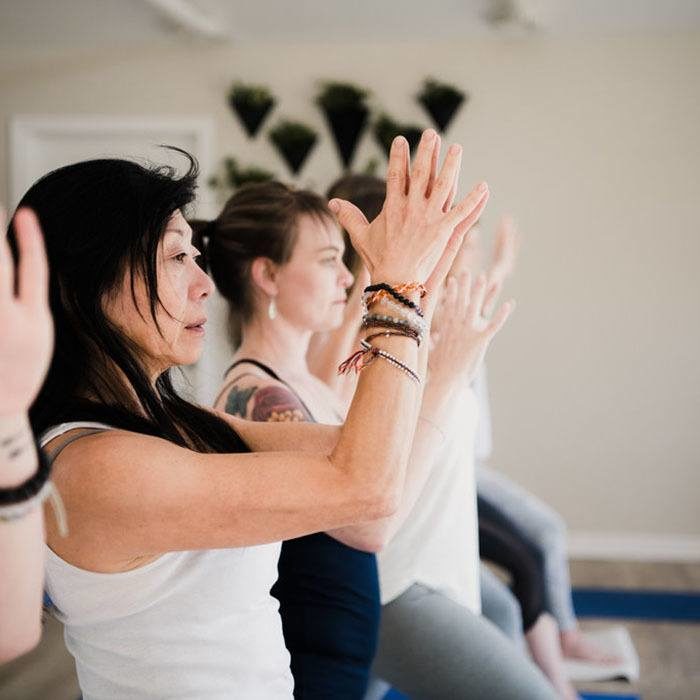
[(433, 648), (542, 526)]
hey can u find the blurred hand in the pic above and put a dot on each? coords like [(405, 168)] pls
[(418, 232), (505, 253), (463, 335), (26, 345)]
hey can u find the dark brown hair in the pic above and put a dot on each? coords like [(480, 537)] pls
[(367, 193), (102, 219), (259, 220)]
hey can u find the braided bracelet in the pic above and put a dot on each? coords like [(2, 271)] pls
[(384, 321), (388, 289)]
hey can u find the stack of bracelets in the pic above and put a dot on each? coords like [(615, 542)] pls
[(407, 320), (17, 502)]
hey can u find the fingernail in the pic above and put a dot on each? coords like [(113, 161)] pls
[(482, 187), (455, 149), (399, 140), (334, 206), (429, 135)]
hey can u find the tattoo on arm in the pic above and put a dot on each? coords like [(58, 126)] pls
[(275, 404), (237, 401)]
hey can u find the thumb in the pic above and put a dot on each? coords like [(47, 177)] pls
[(349, 217)]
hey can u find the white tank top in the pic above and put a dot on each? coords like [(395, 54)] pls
[(438, 544), (194, 624)]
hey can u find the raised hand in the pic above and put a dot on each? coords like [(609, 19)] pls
[(26, 344), (463, 334), (505, 252), (418, 232)]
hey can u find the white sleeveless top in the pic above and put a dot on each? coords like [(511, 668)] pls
[(193, 624), (438, 544)]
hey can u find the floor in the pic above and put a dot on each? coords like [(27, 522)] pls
[(669, 652)]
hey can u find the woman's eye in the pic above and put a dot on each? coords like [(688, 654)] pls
[(180, 257), (328, 261)]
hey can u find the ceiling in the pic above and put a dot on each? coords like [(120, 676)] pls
[(90, 23)]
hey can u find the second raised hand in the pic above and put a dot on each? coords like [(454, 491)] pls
[(414, 239)]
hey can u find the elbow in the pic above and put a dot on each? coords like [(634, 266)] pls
[(382, 505), (20, 644)]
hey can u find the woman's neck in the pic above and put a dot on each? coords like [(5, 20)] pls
[(278, 344)]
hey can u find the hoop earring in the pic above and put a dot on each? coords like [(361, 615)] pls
[(272, 310)]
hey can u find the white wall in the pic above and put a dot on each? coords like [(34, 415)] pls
[(594, 146)]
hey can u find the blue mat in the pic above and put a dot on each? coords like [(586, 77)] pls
[(637, 605), (395, 695)]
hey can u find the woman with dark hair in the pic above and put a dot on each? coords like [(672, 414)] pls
[(25, 351), (163, 581)]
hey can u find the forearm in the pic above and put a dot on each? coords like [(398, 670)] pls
[(427, 443), (21, 546), (375, 440)]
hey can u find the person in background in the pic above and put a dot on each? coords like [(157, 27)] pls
[(25, 351), (527, 519), (278, 248)]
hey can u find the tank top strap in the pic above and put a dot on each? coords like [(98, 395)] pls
[(86, 428)]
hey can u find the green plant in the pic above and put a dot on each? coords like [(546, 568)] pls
[(435, 91), (293, 141), (334, 96), (247, 94), (234, 176), (386, 129)]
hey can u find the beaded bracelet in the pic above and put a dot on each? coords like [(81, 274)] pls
[(360, 359), (404, 313), (378, 352), (378, 291)]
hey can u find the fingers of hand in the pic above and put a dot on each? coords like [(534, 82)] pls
[(466, 224), (420, 170), (446, 184), (397, 173), (33, 269), (434, 161), (350, 218), (500, 318), (493, 290), (464, 292), (477, 298), (7, 272), (467, 212)]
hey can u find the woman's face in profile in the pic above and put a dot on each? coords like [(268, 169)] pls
[(313, 283), (183, 288)]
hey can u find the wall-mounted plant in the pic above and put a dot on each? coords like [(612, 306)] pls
[(252, 104), (293, 141), (387, 129), (343, 105), (441, 101), (233, 176)]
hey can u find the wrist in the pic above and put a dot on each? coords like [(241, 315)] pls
[(18, 459)]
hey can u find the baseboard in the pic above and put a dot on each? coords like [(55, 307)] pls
[(634, 547)]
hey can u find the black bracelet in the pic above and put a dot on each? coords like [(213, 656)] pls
[(31, 487), (382, 286)]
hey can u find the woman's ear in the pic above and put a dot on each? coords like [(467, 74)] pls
[(263, 273)]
